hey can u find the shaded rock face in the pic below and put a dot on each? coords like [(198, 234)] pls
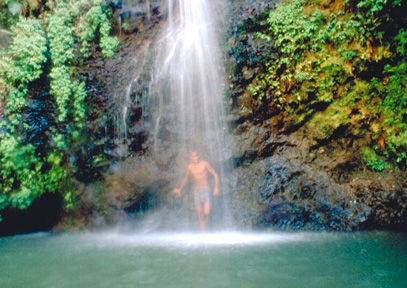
[(289, 193), (293, 189), (285, 175), (118, 117)]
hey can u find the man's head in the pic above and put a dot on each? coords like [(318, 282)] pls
[(195, 157)]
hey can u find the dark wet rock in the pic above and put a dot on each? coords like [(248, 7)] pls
[(136, 16), (285, 191), (38, 113)]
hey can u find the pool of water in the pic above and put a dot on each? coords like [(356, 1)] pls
[(122, 259)]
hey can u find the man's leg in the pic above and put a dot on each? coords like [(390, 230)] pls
[(201, 217), (207, 208)]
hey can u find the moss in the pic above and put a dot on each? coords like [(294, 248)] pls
[(337, 64), (372, 160)]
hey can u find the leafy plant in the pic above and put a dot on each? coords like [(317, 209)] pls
[(372, 160), (95, 21), (40, 65), (346, 58)]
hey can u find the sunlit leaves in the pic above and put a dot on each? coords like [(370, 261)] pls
[(79, 112), (27, 51), (325, 52), (46, 46), (15, 102), (96, 20), (60, 33), (61, 88)]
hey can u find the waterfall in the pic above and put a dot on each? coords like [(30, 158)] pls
[(187, 89)]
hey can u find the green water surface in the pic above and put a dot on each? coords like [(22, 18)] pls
[(117, 259)]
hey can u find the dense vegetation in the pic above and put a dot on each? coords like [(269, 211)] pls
[(338, 67), (43, 94)]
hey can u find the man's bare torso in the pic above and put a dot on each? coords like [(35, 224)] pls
[(199, 172)]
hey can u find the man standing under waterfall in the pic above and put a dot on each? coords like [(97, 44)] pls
[(200, 169)]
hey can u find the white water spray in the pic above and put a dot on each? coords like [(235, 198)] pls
[(188, 86), (188, 78)]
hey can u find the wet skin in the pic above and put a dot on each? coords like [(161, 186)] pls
[(199, 170)]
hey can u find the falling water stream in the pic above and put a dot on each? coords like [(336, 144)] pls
[(188, 77), (187, 90)]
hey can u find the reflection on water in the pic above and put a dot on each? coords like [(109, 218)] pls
[(117, 259)]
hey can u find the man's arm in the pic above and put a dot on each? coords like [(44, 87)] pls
[(184, 181), (215, 176)]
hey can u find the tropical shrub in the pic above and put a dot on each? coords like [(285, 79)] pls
[(42, 94)]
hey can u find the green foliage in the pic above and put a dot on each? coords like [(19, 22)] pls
[(372, 160), (392, 90), (302, 41), (324, 55), (27, 50), (79, 112), (15, 102), (61, 88), (23, 64), (12, 10), (107, 43), (41, 59), (60, 34), (20, 182), (96, 21)]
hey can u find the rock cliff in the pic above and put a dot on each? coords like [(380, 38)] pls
[(286, 175)]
